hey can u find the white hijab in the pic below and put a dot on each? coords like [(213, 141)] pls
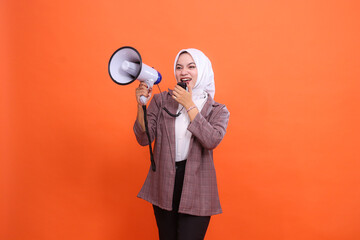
[(205, 80)]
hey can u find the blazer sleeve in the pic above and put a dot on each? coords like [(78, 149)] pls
[(210, 132), (152, 117)]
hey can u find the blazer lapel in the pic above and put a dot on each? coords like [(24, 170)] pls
[(207, 107), (169, 121)]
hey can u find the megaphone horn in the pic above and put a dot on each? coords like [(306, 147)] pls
[(125, 66)]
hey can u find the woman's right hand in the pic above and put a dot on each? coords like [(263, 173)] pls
[(142, 90)]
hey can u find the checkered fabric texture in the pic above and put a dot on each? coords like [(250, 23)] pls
[(200, 193)]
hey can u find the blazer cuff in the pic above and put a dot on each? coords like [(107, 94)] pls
[(195, 125), (139, 132)]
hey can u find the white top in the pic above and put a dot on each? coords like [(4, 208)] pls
[(183, 136)]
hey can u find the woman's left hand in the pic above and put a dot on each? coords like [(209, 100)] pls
[(183, 97)]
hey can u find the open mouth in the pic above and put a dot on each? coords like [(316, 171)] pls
[(185, 80)]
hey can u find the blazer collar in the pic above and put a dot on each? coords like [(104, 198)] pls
[(210, 103)]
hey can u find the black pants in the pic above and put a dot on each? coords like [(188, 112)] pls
[(177, 226)]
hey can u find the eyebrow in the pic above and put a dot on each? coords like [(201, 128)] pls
[(188, 64)]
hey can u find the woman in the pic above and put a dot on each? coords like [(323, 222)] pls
[(183, 189)]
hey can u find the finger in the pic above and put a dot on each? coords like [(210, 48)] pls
[(178, 92), (179, 88), (142, 93), (143, 87), (190, 89), (142, 90), (175, 98), (175, 89), (146, 94), (142, 84)]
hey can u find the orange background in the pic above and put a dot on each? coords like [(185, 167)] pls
[(288, 71)]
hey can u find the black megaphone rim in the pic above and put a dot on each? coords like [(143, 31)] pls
[(140, 63)]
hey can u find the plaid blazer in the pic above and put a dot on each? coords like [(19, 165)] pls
[(200, 194)]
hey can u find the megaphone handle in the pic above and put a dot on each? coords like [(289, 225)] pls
[(143, 100), (150, 84), (153, 166)]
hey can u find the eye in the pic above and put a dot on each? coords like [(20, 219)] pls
[(192, 66), (178, 67)]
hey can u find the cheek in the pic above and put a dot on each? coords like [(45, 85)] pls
[(193, 82), (195, 76), (177, 76)]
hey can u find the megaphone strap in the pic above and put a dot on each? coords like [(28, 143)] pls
[(153, 166), (171, 114)]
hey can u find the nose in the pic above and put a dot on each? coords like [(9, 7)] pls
[(183, 71)]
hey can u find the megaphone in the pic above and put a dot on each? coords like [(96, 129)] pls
[(125, 66)]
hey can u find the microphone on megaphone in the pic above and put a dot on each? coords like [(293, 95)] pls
[(125, 66)]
